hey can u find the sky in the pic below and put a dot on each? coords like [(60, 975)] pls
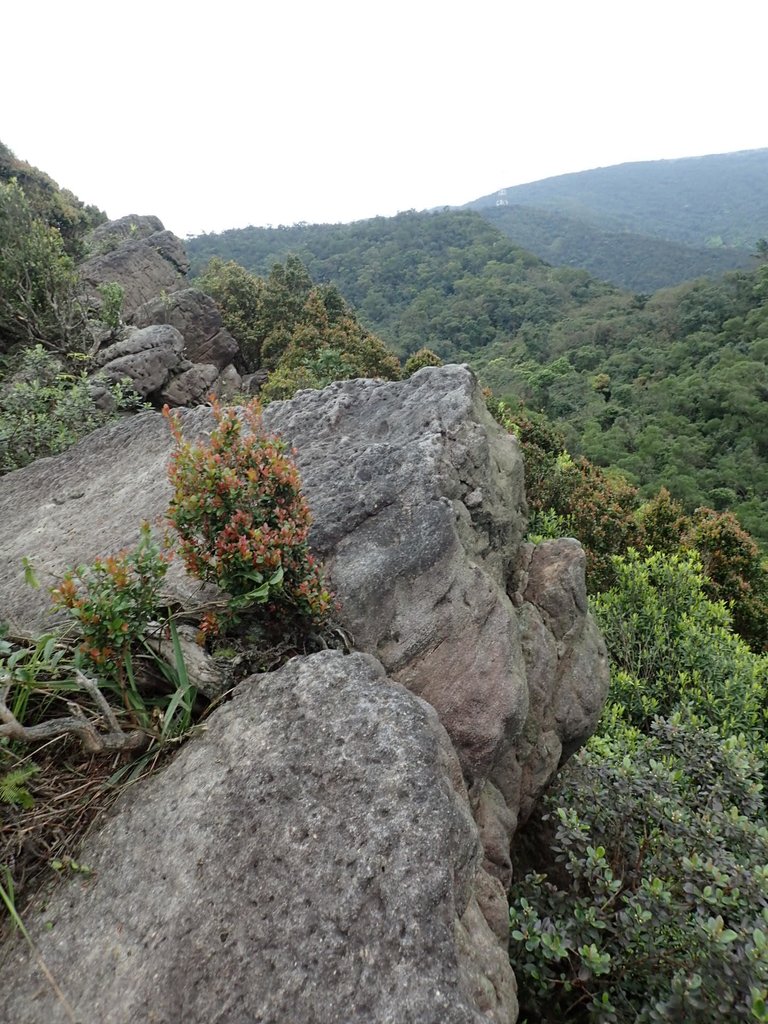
[(226, 114)]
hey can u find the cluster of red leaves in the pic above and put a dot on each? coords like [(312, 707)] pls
[(242, 520)]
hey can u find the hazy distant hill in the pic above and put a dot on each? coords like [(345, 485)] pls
[(640, 263), (700, 201), (645, 225)]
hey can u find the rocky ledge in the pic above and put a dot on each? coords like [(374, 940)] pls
[(336, 846)]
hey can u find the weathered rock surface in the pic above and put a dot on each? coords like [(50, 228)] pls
[(144, 262), (192, 387), (419, 515), (106, 237), (147, 358), (310, 858), (419, 510), (197, 318)]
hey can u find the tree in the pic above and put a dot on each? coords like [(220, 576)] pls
[(328, 343), (239, 296), (424, 357), (734, 571), (39, 301)]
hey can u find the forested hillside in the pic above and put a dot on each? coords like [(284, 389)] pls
[(447, 280), (639, 263), (709, 200), (670, 389), (642, 226)]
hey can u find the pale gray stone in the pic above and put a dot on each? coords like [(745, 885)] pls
[(143, 262), (419, 511), (192, 387), (146, 358), (306, 859)]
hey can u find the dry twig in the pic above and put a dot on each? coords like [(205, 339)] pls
[(76, 725)]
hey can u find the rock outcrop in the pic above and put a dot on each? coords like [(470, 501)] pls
[(209, 348), (419, 512), (138, 254), (197, 318), (310, 858), (146, 358), (149, 263)]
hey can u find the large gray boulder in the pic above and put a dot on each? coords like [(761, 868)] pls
[(142, 261), (197, 318), (146, 358), (310, 857), (419, 510)]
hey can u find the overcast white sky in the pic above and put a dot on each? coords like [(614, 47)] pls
[(228, 113)]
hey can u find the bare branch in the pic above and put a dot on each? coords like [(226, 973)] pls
[(76, 725)]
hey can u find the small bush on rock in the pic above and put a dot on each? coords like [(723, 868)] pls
[(417, 361), (243, 522), (113, 600)]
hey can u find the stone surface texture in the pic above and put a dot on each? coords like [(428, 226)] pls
[(192, 386), (197, 318), (147, 358), (419, 510), (307, 859), (143, 261)]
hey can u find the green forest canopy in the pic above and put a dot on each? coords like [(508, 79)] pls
[(670, 389)]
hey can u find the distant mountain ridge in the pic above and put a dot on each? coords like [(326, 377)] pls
[(639, 263), (645, 225), (705, 200)]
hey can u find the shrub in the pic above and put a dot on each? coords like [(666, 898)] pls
[(424, 357), (38, 283), (113, 600), (734, 571), (44, 409), (661, 520), (595, 507), (243, 522), (240, 297), (112, 297), (327, 344), (651, 904), (672, 646)]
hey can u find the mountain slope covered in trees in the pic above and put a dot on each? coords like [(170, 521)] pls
[(639, 263), (708, 200), (644, 225), (670, 389)]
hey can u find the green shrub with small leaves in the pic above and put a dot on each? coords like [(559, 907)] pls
[(45, 409), (243, 522), (113, 600), (596, 507), (671, 646), (648, 899), (424, 357), (112, 298)]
